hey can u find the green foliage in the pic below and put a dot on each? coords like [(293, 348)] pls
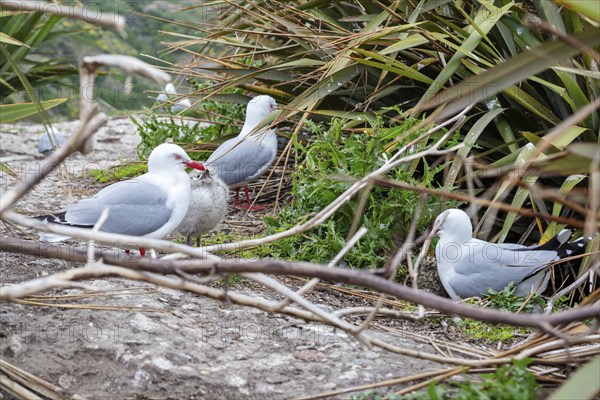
[(505, 299), (373, 395), (14, 112), (331, 158), (509, 382), (355, 58), (21, 68), (72, 38), (155, 128), (490, 332), (119, 173)]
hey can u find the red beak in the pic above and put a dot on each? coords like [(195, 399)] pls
[(195, 165)]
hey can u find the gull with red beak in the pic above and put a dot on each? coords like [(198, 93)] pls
[(248, 156), (151, 205), (468, 266)]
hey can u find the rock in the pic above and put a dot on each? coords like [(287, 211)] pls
[(15, 347), (276, 378), (65, 381), (309, 355)]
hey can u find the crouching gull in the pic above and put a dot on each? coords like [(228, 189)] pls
[(468, 266), (246, 157), (180, 105), (151, 205), (50, 140), (208, 204)]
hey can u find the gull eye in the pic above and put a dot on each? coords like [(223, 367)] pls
[(177, 157)]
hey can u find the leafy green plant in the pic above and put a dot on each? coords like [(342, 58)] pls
[(373, 395), (358, 59), (491, 333), (330, 159), (505, 299), (155, 130), (509, 382), (119, 172)]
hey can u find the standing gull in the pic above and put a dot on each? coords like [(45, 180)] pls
[(468, 267), (208, 204), (246, 157), (151, 205)]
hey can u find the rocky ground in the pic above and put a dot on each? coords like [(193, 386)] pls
[(134, 340)]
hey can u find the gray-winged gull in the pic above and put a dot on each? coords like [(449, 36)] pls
[(468, 266), (245, 158), (151, 205), (170, 91), (49, 140)]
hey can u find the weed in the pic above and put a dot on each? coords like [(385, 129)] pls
[(505, 299), (509, 382), (119, 172), (330, 154), (490, 332), (373, 395)]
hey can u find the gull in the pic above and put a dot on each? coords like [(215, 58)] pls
[(170, 91), (49, 140), (151, 205), (468, 266), (208, 204), (246, 157)]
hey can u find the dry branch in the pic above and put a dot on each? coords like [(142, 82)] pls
[(113, 20), (361, 278)]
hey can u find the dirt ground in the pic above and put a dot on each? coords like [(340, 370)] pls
[(140, 341)]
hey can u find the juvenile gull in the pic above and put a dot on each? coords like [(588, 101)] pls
[(246, 157), (468, 266), (208, 205), (151, 205)]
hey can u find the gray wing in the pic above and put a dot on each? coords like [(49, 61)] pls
[(492, 266), (238, 161), (45, 144), (136, 207)]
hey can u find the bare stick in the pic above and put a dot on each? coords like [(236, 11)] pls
[(107, 238), (326, 316), (113, 20), (86, 129), (310, 285), (384, 311), (361, 278)]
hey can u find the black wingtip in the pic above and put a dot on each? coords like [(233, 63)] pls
[(58, 218), (577, 246), (557, 241)]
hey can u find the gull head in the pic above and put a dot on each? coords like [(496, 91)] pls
[(453, 224), (169, 157), (260, 106)]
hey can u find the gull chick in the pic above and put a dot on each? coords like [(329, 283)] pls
[(208, 205)]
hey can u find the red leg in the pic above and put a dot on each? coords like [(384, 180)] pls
[(247, 197), (142, 251), (248, 206)]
